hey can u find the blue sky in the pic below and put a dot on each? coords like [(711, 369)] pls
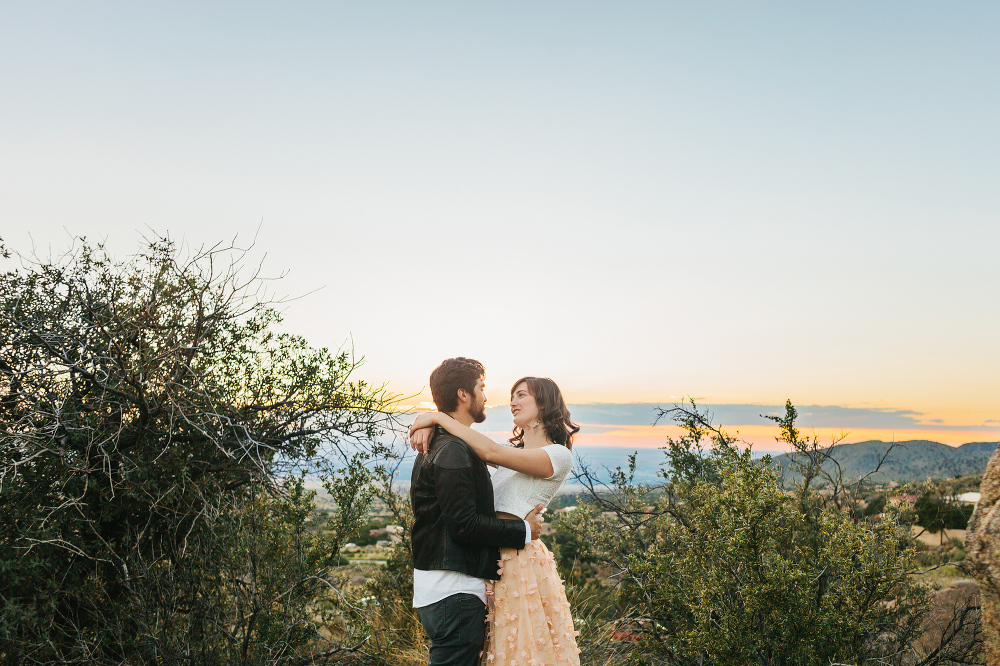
[(739, 202)]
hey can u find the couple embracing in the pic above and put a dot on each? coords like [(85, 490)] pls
[(485, 587)]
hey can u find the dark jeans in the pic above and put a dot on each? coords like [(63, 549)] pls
[(457, 628)]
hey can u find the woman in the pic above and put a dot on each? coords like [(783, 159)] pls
[(529, 620)]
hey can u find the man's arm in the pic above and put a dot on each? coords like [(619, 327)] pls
[(456, 494)]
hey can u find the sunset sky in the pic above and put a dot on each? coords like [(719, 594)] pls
[(739, 202)]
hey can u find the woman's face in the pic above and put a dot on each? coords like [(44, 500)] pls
[(523, 407)]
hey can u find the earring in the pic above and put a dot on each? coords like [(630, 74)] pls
[(535, 424)]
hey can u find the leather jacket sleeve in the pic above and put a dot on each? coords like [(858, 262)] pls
[(456, 493)]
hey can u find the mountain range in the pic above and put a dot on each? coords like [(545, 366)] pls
[(913, 460)]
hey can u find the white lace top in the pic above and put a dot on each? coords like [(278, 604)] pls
[(517, 493)]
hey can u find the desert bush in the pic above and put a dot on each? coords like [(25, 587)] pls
[(723, 567), (152, 420), (395, 634)]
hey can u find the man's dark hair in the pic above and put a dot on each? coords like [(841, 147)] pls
[(453, 374)]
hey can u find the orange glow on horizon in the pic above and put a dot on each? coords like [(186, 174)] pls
[(762, 437)]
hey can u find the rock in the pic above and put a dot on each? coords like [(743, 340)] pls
[(982, 555)]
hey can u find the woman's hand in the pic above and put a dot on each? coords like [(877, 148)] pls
[(422, 430), (425, 420)]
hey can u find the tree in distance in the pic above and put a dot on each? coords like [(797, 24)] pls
[(155, 427)]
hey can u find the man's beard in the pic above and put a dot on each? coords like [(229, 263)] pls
[(478, 413)]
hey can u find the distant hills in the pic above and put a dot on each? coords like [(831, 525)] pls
[(914, 460)]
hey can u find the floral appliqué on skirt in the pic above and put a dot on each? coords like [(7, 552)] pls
[(529, 622)]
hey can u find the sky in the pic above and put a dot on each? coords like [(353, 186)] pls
[(738, 202)]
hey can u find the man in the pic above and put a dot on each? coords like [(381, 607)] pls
[(456, 534)]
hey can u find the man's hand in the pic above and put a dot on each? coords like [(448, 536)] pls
[(535, 520)]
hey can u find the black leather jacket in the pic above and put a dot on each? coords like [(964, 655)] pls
[(454, 524)]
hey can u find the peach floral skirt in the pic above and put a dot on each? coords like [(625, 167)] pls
[(529, 621)]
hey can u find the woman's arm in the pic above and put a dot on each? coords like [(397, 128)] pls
[(533, 462)]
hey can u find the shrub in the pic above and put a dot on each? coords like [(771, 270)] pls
[(151, 415), (728, 569)]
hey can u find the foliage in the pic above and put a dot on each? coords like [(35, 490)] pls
[(722, 567), (570, 552), (874, 507), (392, 625), (364, 536), (605, 630), (936, 513), (151, 415)]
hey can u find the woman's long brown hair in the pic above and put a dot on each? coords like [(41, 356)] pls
[(552, 411)]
